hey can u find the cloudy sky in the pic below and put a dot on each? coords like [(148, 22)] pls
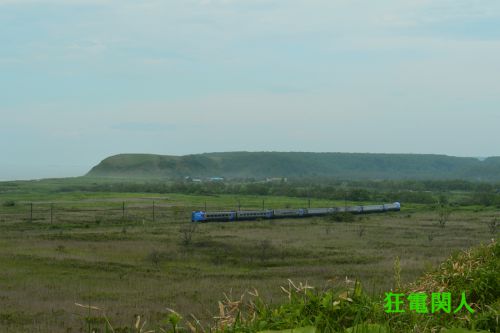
[(84, 79)]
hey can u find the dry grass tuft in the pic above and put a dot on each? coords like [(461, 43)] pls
[(461, 267)]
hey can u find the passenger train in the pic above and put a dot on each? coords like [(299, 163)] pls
[(245, 215)]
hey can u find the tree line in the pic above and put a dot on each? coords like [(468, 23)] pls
[(422, 192)]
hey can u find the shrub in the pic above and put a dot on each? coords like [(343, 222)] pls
[(341, 217), (9, 203), (187, 231)]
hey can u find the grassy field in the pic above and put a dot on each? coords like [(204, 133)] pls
[(129, 262)]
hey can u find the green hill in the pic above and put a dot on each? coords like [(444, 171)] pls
[(298, 165)]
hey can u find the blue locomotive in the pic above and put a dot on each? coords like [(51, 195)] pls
[(245, 215)]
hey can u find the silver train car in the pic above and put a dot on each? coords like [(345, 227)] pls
[(246, 215)]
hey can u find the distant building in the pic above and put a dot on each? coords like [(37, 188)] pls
[(193, 180), (216, 179), (276, 179)]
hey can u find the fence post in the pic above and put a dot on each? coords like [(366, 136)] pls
[(153, 210), (262, 204), (51, 212), (309, 203), (31, 212), (123, 210)]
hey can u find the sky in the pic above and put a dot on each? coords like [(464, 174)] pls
[(81, 80)]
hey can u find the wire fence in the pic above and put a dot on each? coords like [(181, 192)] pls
[(112, 211), (75, 212), (139, 210)]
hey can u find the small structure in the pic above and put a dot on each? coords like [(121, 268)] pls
[(216, 179), (276, 180)]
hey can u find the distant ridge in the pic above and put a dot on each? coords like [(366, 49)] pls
[(259, 165)]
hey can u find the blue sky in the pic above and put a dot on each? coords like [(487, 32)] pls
[(84, 79)]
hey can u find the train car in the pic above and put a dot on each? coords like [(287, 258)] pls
[(221, 216), (201, 216), (289, 212), (396, 206), (342, 209), (354, 209), (321, 211), (317, 211), (198, 216), (373, 208), (254, 214)]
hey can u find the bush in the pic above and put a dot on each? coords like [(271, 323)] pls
[(309, 310), (476, 272), (187, 230), (341, 217), (9, 203)]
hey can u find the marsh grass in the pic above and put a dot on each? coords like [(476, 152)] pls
[(46, 268), (351, 310)]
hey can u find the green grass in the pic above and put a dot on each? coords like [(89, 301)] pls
[(473, 272), (131, 266)]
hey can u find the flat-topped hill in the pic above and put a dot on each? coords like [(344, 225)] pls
[(298, 165)]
